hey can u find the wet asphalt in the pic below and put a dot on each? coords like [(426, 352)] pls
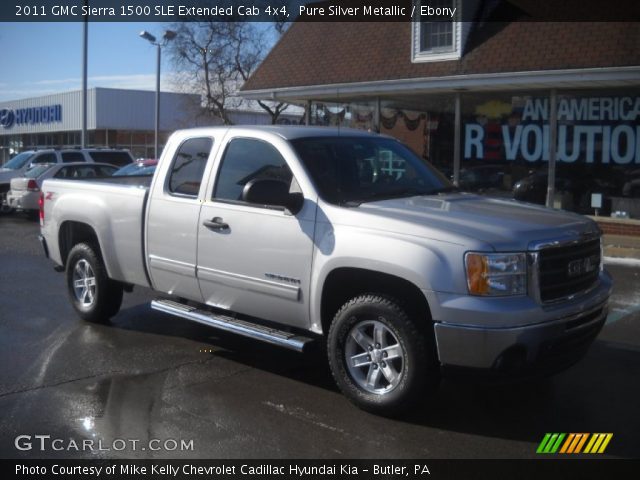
[(148, 376)]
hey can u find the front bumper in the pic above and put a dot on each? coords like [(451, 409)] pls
[(559, 336)]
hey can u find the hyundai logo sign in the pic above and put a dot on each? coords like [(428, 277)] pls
[(7, 117), (30, 116)]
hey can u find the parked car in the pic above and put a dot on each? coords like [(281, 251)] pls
[(482, 177), (25, 191), (139, 167), (576, 186), (18, 165), (293, 236)]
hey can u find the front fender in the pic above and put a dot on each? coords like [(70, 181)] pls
[(431, 265)]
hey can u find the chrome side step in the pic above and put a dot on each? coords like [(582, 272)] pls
[(234, 325)]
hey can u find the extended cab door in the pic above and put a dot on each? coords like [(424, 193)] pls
[(172, 219), (255, 259)]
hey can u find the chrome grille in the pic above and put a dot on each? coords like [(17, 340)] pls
[(568, 269)]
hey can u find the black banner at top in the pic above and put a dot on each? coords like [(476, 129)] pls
[(319, 11)]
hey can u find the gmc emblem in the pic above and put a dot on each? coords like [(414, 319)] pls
[(582, 266)]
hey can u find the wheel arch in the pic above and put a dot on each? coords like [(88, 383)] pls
[(345, 283), (72, 233)]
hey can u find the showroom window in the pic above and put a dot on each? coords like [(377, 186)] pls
[(506, 148), (423, 123)]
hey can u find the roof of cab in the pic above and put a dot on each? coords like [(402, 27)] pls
[(287, 132)]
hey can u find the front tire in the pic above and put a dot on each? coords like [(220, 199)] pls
[(94, 296), (382, 360)]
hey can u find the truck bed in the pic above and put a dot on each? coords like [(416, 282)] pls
[(114, 207)]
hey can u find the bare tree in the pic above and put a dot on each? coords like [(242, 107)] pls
[(215, 59)]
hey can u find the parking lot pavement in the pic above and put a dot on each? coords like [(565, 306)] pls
[(148, 376)]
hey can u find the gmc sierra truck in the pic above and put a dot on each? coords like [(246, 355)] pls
[(301, 235)]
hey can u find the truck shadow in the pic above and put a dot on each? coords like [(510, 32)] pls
[(599, 394), (309, 367)]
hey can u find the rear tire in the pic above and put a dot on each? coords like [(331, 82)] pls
[(382, 360), (94, 296), (4, 207)]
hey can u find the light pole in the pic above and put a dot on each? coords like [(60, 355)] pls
[(85, 41), (168, 35)]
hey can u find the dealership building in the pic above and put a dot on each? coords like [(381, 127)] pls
[(482, 100), (115, 118)]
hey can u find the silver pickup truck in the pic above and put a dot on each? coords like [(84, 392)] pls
[(300, 235)]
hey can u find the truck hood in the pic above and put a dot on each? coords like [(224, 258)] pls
[(507, 225)]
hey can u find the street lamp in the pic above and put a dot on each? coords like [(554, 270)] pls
[(168, 35)]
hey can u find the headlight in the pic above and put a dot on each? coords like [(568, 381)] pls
[(496, 274)]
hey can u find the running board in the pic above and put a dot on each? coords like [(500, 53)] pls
[(234, 325)]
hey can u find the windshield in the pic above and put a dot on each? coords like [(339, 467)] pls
[(18, 161), (353, 170)]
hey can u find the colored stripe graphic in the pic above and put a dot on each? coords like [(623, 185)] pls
[(568, 442), (608, 438), (556, 445), (598, 442), (581, 443), (543, 443), (574, 443), (550, 443)]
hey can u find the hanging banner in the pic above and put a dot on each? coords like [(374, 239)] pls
[(591, 130)]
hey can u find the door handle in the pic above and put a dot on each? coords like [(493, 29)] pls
[(215, 223)]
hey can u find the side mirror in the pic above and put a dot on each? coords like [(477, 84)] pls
[(271, 193)]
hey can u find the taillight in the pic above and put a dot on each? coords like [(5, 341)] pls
[(41, 208), (32, 186)]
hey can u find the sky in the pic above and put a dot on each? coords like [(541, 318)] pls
[(42, 58)]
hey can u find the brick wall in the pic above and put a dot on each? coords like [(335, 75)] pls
[(619, 227)]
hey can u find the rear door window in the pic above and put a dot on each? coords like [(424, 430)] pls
[(72, 157), (44, 158), (105, 171), (188, 166), (119, 159), (64, 172)]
